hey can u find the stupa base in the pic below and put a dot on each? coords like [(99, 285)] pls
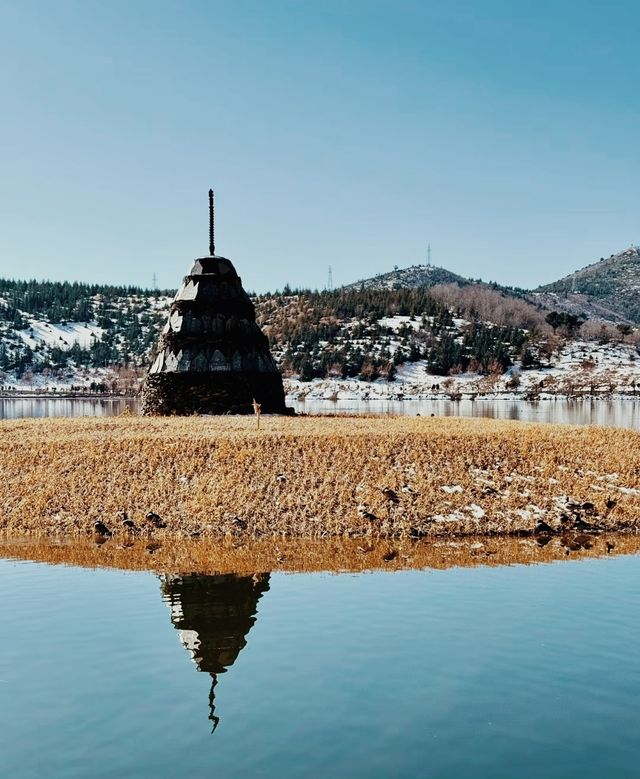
[(167, 394)]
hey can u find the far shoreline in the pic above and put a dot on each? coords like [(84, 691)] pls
[(304, 398)]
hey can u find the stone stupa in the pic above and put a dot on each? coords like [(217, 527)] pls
[(212, 357)]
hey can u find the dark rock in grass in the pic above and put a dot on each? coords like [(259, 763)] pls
[(366, 514), (542, 528), (154, 519), (239, 524), (582, 526), (100, 529), (390, 494)]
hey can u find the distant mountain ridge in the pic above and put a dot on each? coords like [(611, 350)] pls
[(607, 289), (413, 276), (77, 334)]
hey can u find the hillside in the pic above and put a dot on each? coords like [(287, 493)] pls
[(608, 289), (411, 277), (75, 334), (402, 327), (369, 332)]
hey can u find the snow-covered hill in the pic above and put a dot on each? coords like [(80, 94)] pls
[(578, 369), (401, 333), (66, 336), (608, 289), (38, 334), (413, 276)]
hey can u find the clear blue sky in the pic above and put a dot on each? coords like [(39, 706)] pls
[(348, 133)]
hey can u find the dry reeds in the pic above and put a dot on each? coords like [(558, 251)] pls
[(315, 477), (228, 555)]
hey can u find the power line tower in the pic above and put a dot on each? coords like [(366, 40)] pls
[(154, 282), (330, 280), (428, 255)]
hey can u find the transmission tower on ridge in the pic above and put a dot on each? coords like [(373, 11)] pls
[(428, 255), (330, 280)]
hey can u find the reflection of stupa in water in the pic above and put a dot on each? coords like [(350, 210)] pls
[(214, 615)]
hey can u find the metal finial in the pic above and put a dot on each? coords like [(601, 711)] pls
[(212, 242)]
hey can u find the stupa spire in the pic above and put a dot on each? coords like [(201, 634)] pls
[(212, 242)]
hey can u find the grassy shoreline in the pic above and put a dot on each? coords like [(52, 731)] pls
[(317, 477), (296, 555)]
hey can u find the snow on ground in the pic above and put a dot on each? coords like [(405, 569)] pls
[(396, 322), (581, 367), (58, 335), (415, 323), (162, 303), (72, 380)]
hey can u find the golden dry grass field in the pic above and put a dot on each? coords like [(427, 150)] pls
[(316, 477)]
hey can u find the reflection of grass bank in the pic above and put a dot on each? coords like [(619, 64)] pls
[(229, 555), (315, 477)]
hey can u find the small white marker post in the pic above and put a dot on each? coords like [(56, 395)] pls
[(256, 411)]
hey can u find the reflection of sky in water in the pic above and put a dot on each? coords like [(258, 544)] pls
[(517, 671), (16, 408), (616, 413)]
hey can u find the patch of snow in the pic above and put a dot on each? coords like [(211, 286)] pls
[(395, 322), (628, 490), (61, 336)]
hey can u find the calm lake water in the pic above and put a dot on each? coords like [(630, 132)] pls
[(616, 413), (515, 671)]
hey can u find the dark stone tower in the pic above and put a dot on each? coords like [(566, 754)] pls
[(212, 357)]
